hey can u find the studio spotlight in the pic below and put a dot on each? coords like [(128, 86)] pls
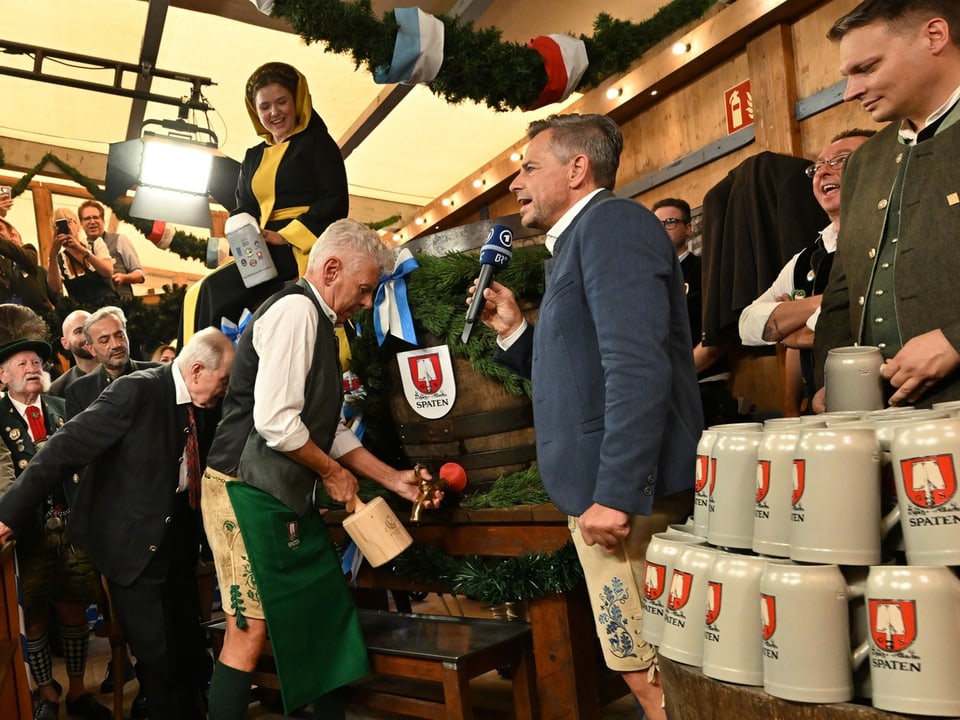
[(176, 173)]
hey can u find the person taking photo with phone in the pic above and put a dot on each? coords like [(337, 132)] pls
[(84, 270)]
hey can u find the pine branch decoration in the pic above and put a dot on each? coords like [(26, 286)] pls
[(478, 65)]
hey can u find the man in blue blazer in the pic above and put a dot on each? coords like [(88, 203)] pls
[(616, 406), (135, 514)]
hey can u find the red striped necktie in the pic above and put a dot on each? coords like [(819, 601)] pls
[(191, 454), (37, 428)]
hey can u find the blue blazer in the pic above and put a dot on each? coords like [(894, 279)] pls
[(615, 399)]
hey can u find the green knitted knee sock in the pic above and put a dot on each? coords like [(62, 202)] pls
[(229, 693)]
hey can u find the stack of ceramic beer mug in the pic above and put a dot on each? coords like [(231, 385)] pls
[(793, 574)]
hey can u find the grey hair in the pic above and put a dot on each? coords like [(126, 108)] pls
[(353, 242), (596, 136), (206, 347), (98, 315)]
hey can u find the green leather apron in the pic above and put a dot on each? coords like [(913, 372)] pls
[(311, 618)]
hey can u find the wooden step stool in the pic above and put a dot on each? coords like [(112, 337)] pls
[(446, 650)]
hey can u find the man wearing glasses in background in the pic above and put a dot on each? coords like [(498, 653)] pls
[(127, 270), (788, 310), (711, 363)]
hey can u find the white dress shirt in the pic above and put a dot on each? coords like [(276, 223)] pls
[(754, 317), (552, 235), (284, 337)]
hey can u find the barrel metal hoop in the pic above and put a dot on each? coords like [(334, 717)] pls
[(480, 460), (467, 426)]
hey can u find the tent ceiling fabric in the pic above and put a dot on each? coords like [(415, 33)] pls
[(415, 154)]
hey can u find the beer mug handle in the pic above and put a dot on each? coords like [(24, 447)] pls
[(889, 521), (860, 653)]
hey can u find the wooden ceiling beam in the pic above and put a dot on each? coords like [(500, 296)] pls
[(149, 50)]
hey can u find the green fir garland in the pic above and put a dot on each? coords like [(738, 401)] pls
[(477, 64), (520, 488), (493, 580)]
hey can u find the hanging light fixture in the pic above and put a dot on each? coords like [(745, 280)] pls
[(175, 173)]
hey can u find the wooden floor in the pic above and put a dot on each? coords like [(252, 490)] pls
[(491, 692)]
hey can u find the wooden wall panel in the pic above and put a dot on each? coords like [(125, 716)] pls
[(818, 59), (816, 131), (774, 90), (681, 123), (693, 186)]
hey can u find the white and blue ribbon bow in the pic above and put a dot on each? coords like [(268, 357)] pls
[(351, 561), (391, 310), (234, 330), (417, 50)]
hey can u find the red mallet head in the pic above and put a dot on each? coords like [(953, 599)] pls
[(454, 475)]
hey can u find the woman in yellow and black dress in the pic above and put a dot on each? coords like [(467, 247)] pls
[(294, 183)]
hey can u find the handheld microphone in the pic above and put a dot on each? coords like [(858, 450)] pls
[(494, 255)]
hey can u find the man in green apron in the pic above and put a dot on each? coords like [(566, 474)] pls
[(281, 431)]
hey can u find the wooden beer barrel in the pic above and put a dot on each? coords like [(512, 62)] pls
[(691, 695), (488, 431)]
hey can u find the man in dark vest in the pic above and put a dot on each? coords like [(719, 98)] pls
[(787, 311), (52, 570), (281, 432), (127, 270), (893, 283)]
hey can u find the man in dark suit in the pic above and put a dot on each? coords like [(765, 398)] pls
[(616, 406), (138, 521), (711, 361), (105, 331), (104, 334), (892, 282), (52, 571)]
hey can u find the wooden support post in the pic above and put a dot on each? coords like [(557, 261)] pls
[(43, 210), (567, 662), (773, 83)]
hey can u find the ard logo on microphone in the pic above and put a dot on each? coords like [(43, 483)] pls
[(428, 382)]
